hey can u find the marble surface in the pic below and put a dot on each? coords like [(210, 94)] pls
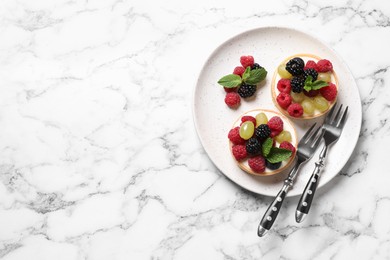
[(100, 158)]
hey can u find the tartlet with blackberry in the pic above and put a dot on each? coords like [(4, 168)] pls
[(304, 86), (262, 142)]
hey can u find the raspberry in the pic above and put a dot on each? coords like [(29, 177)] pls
[(247, 61), (311, 93), (284, 100), (248, 118), (257, 164), (232, 99), (295, 110), (273, 134), (234, 136), (284, 86), (239, 70), (275, 124), (324, 66), (262, 131), (295, 66), (329, 92), (253, 146), (311, 64), (272, 166), (246, 90), (228, 90), (288, 146), (239, 152)]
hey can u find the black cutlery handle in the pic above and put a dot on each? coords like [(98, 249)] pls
[(308, 194), (272, 212), (306, 199)]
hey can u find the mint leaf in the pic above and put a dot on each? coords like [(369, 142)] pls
[(256, 76), (266, 147), (309, 80), (247, 73), (230, 81), (278, 155), (310, 85), (318, 84), (307, 88)]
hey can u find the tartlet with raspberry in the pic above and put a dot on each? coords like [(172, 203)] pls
[(304, 86), (262, 142)]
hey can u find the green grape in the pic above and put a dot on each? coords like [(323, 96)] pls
[(246, 130), (283, 136), (324, 77), (308, 106), (261, 118), (321, 103), (297, 97), (283, 73)]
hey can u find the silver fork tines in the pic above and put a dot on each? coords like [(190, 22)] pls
[(317, 139)]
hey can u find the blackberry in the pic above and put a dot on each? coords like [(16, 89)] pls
[(295, 66), (253, 146), (297, 84), (263, 131), (255, 66), (272, 166), (246, 90), (310, 72)]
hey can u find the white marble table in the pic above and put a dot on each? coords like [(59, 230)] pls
[(99, 156)]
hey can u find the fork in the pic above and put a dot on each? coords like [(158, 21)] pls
[(332, 129), (306, 149)]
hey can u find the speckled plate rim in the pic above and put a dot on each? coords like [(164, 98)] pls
[(352, 138)]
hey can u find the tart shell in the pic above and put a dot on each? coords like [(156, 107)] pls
[(275, 92), (287, 125)]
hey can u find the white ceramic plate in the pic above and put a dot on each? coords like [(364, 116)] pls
[(213, 119)]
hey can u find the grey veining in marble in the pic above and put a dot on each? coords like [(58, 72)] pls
[(99, 156)]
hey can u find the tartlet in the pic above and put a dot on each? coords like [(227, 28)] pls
[(296, 98), (275, 135)]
